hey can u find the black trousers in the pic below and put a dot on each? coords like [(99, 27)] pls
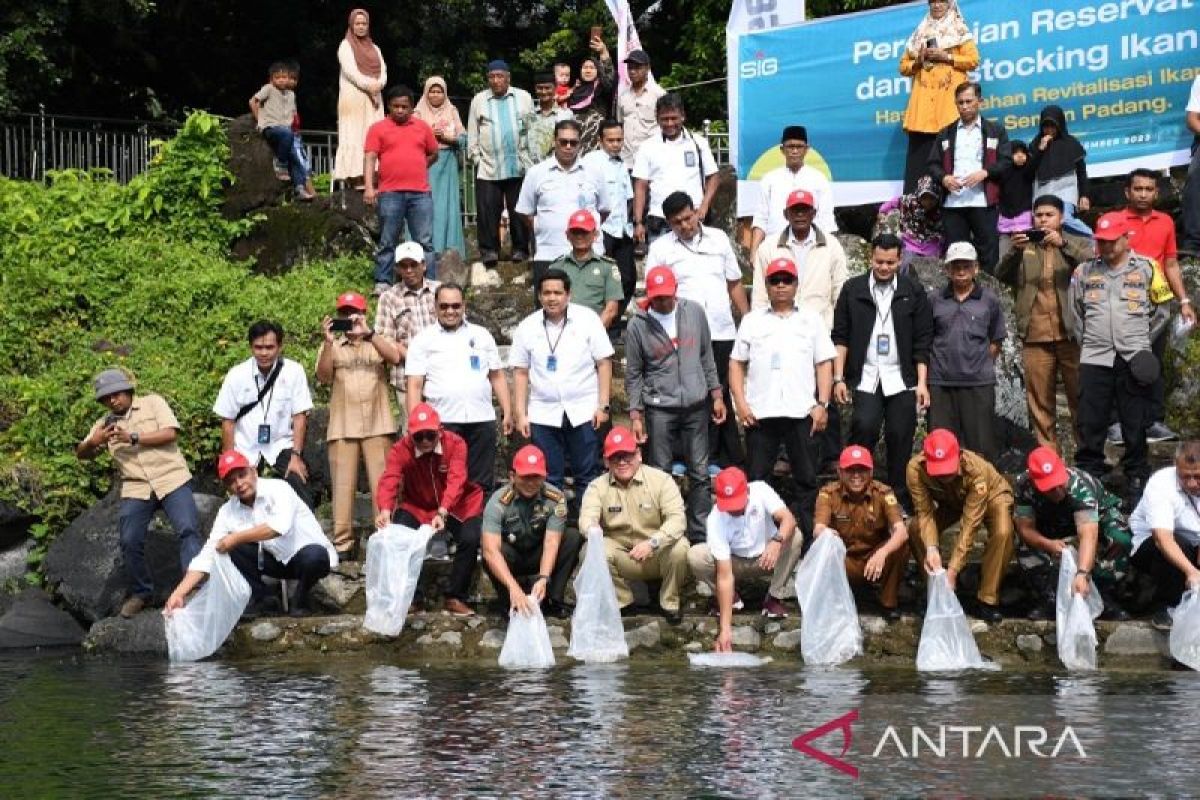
[(621, 251), (306, 567), (724, 446), (916, 161), (466, 535), (1169, 582), (491, 198), (525, 564), (1099, 388), (1158, 392), (897, 416), (762, 445), (299, 485), (684, 430), (968, 411), (481, 451), (978, 226)]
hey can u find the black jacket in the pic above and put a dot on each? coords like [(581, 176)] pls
[(854, 319)]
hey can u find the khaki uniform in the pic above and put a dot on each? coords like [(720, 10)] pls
[(594, 282), (649, 506), (979, 495), (865, 525), (147, 471)]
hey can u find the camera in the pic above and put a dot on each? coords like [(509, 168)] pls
[(110, 420), (342, 325), (931, 43), (1036, 236)]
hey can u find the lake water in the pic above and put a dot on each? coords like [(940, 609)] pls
[(76, 727)]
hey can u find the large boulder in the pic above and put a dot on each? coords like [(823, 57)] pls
[(145, 634), (85, 566), (33, 621), (14, 525), (14, 561)]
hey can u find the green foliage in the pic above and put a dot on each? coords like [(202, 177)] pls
[(94, 274)]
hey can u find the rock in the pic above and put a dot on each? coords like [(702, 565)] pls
[(145, 633), (14, 525), (334, 628), (14, 562), (265, 631), (978, 626), (351, 569), (337, 593), (417, 625), (85, 566), (286, 235), (788, 640), (873, 625), (450, 639), (33, 621), (648, 635), (693, 647), (474, 622), (451, 268), (746, 636), (493, 639), (1029, 643), (772, 627), (425, 640), (1132, 640), (703, 589), (255, 185), (500, 311), (482, 277), (520, 280)]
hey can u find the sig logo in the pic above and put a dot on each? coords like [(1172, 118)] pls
[(760, 67)]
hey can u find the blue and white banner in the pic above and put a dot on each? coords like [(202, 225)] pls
[(1121, 70)]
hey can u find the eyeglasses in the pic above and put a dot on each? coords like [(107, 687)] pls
[(449, 306), (568, 143), (781, 280), (424, 436), (621, 458)]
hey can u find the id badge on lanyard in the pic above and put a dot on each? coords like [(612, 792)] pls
[(883, 344)]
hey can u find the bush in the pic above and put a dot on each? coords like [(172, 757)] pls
[(96, 274)]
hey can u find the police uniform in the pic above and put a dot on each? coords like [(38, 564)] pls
[(865, 525), (522, 523), (595, 281)]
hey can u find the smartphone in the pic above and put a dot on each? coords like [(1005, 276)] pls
[(1036, 236), (110, 420), (931, 43), (342, 325), (597, 32)]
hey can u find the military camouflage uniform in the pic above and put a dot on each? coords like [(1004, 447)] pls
[(523, 524)]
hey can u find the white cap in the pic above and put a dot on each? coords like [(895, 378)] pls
[(961, 251), (410, 250)]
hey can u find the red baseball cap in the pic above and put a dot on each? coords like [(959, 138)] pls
[(801, 198), (352, 300), (782, 265), (941, 453), (229, 461), (856, 456), (619, 440), (732, 489), (660, 282), (1111, 226), (529, 460), (423, 418), (1046, 469), (581, 220)]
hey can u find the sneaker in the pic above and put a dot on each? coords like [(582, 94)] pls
[(380, 288), (986, 612), (714, 608), (438, 549), (1161, 621), (1042, 611), (1114, 434), (304, 195), (1113, 612), (133, 606), (281, 171), (265, 607), (713, 469), (674, 616), (558, 610), (457, 608), (773, 608), (519, 256), (891, 615), (489, 259), (678, 469), (1159, 432)]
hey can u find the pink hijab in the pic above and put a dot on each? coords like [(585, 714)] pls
[(445, 115), (366, 55)]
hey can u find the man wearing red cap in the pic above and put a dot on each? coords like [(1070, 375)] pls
[(353, 361), (950, 487), (781, 377), (750, 534), (525, 534), (1056, 504), (670, 379), (1115, 319), (265, 529), (640, 511), (819, 258), (426, 483), (595, 279), (778, 187), (867, 516)]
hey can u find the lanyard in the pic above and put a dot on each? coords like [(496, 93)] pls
[(267, 408), (546, 330), (878, 296)]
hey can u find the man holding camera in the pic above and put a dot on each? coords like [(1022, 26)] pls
[(140, 432)]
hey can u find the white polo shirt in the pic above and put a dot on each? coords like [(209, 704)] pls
[(572, 386), (703, 268), (673, 166), (456, 366), (551, 194), (1164, 505), (745, 535), (774, 189), (276, 505), (782, 353), (287, 397)]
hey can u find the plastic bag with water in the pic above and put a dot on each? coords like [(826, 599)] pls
[(1185, 630), (946, 640), (394, 558), (597, 635), (527, 643), (200, 627), (727, 660), (1073, 617), (829, 629)]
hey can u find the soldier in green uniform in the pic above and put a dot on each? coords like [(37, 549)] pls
[(525, 535), (1055, 503), (595, 280)]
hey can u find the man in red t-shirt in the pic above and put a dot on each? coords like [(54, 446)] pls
[(402, 147)]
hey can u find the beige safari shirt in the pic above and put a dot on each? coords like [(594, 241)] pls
[(358, 401), (649, 506), (154, 470)]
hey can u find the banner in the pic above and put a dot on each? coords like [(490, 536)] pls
[(1121, 70), (627, 39)]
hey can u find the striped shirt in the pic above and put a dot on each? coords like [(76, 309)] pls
[(496, 133)]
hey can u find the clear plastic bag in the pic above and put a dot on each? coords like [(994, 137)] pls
[(1185, 630), (394, 558), (597, 635), (946, 640), (829, 629), (727, 660), (1073, 617), (527, 643), (200, 627)]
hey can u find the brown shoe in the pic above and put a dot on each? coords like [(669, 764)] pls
[(457, 608), (133, 606)]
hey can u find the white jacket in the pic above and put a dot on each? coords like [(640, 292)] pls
[(821, 280)]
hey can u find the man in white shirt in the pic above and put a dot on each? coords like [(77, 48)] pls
[(781, 377), (562, 371), (263, 405), (751, 534), (266, 530), (708, 274), (618, 230), (636, 105), (555, 189), (455, 367), (1166, 531), (672, 160), (777, 186)]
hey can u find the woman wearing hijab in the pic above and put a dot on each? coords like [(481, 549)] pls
[(938, 56), (1059, 169), (919, 221), (360, 105), (435, 108), (591, 98)]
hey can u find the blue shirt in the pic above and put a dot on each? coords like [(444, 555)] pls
[(619, 188)]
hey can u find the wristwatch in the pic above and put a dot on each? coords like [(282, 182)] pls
[(606, 408), (838, 379), (368, 336), (134, 438), (655, 542), (778, 537)]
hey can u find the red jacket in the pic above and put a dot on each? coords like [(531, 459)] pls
[(426, 482)]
